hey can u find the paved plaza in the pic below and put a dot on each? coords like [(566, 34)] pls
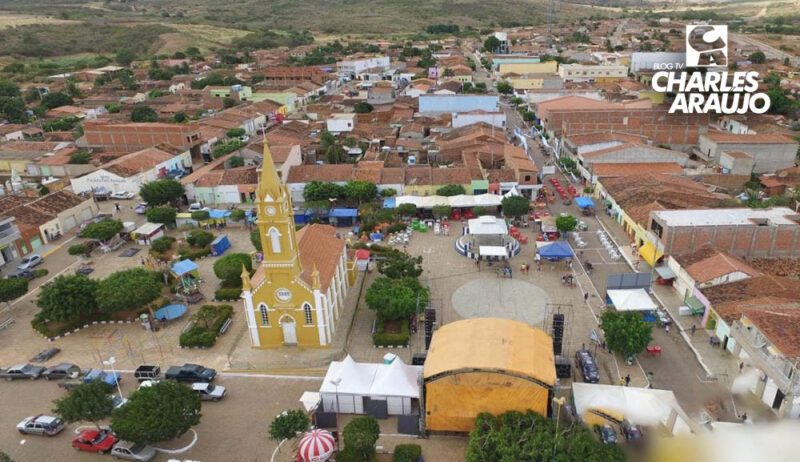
[(501, 298)]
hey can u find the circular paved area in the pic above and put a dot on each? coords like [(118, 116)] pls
[(501, 298)]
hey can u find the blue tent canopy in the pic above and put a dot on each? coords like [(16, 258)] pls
[(558, 250), (343, 213), (390, 203), (183, 267), (584, 202), (218, 214)]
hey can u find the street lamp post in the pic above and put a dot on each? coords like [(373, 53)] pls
[(558, 402), (336, 383), (111, 361)]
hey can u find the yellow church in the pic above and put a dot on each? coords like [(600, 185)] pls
[(296, 295)]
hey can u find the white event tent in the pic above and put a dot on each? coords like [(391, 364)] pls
[(347, 383), (462, 200), (631, 300)]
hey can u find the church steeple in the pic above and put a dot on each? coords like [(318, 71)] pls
[(269, 185)]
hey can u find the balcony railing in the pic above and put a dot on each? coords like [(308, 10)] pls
[(780, 370)]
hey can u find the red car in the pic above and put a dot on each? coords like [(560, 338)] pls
[(100, 441)]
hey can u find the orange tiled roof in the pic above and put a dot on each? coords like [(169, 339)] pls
[(319, 247), (707, 264), (137, 162), (763, 138)]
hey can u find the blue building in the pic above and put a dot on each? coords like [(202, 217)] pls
[(458, 103)]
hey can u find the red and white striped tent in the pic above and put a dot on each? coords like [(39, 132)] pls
[(316, 446)]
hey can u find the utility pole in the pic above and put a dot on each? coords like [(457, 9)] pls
[(551, 13)]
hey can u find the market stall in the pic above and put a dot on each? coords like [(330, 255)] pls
[(631, 300)]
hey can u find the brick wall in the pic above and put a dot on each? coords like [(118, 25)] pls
[(656, 124), (743, 240)]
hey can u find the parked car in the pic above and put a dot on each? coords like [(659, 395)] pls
[(209, 391), (607, 434), (30, 262), (118, 401), (100, 441), (24, 273), (190, 373), (585, 362), (99, 374), (70, 384), (141, 208), (632, 433), (22, 371), (146, 372), (132, 451), (122, 195), (196, 207), (147, 384), (41, 425), (45, 355), (62, 371)]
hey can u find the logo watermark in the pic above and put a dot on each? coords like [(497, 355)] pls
[(705, 86)]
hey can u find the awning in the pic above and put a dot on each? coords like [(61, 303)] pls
[(216, 214), (695, 305), (650, 254), (389, 203), (183, 267), (343, 213), (665, 272), (492, 251), (558, 250), (631, 300), (487, 224)]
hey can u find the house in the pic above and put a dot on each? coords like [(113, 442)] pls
[(39, 219), (547, 67), (770, 151), (530, 82), (299, 176), (350, 68), (226, 187), (21, 156), (458, 103), (707, 267), (132, 137), (284, 156), (296, 295), (12, 132), (629, 153), (496, 61), (131, 171), (339, 123), (462, 119), (592, 73), (742, 232), (11, 244), (381, 93)]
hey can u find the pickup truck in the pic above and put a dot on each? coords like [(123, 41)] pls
[(190, 373), (106, 377), (146, 372), (22, 371)]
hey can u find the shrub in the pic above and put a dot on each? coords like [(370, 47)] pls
[(193, 253), (199, 238), (396, 228), (229, 268), (200, 215), (41, 272), (197, 336), (238, 215), (381, 338), (77, 249), (225, 293), (407, 453), (162, 244)]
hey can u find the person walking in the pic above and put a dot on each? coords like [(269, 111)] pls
[(585, 297), (627, 380), (666, 328), (694, 326)]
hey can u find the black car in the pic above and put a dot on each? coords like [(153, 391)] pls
[(588, 367), (633, 433), (21, 273), (62, 371), (607, 434), (45, 355)]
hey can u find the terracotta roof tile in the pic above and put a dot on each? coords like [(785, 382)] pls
[(137, 162), (730, 296), (762, 138), (635, 168), (326, 172), (319, 247), (708, 263), (780, 324)]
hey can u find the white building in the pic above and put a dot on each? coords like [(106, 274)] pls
[(130, 172), (338, 123), (462, 119), (586, 73), (352, 67)]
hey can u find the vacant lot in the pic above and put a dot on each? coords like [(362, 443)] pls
[(203, 37), (14, 20)]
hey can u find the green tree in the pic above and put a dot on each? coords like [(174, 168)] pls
[(193, 52), (398, 265), (440, 211), (229, 268), (255, 239), (165, 215), (360, 435), (515, 206), (161, 192), (388, 192), (9, 89), (80, 158), (102, 230), (77, 249), (504, 88), (13, 109), (235, 132), (396, 299), (55, 99), (113, 108), (200, 215), (228, 103), (626, 333), (236, 161), (362, 107), (322, 191), (199, 238), (125, 56), (288, 424), (238, 215), (491, 44), (142, 113), (5, 457), (566, 223), (68, 297), (407, 210), (360, 191), (127, 290), (12, 289), (162, 412), (757, 58), (88, 402), (451, 190), (179, 117)]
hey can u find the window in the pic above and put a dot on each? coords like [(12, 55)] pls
[(264, 315), (275, 240), (307, 313)]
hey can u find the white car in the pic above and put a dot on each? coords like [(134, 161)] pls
[(30, 261), (132, 451), (147, 384), (197, 207), (209, 391), (123, 195), (119, 401), (41, 425)]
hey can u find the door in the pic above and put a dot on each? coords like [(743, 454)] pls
[(779, 396), (289, 331), (70, 222), (36, 242)]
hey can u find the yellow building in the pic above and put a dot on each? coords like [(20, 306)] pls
[(296, 295), (547, 67)]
